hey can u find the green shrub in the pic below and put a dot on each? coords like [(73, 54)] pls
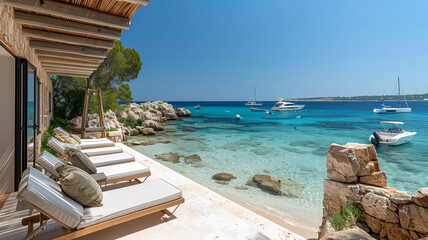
[(140, 121), (351, 214), (119, 108), (338, 222), (121, 120), (143, 108), (111, 129)]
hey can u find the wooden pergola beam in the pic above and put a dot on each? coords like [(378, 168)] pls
[(140, 2), (67, 38), (71, 67), (66, 48), (59, 60), (83, 75), (67, 72), (76, 13), (49, 54), (51, 23)]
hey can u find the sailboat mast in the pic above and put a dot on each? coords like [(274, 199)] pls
[(399, 92), (255, 96)]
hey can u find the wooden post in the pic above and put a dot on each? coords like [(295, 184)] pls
[(85, 113), (101, 110)]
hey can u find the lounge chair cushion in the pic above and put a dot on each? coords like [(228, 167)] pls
[(102, 151), (75, 137), (117, 171), (64, 138), (122, 201), (79, 185), (59, 146), (59, 129), (45, 194), (110, 159), (80, 160), (96, 144)]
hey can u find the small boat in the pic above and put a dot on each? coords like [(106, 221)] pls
[(197, 106), (391, 136), (395, 107), (253, 103), (286, 106), (253, 109)]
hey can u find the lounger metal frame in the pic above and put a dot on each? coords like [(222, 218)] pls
[(74, 233)]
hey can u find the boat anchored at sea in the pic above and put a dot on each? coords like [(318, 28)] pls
[(395, 135), (253, 103), (286, 106), (395, 107)]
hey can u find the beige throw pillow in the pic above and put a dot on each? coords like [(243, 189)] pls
[(77, 138), (79, 185), (80, 160)]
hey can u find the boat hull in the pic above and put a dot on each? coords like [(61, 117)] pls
[(392, 110), (396, 140), (290, 108)]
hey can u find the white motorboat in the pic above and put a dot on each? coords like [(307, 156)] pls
[(391, 136), (197, 107), (395, 107), (253, 103), (286, 106)]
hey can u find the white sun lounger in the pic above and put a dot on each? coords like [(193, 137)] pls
[(90, 143), (60, 147), (119, 205), (113, 174)]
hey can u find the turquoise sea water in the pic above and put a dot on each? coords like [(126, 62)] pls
[(286, 146)]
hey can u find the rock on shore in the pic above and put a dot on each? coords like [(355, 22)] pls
[(153, 114)]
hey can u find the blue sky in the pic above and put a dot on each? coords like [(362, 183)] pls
[(219, 50)]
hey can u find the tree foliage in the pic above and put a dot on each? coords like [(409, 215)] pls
[(121, 65), (68, 96)]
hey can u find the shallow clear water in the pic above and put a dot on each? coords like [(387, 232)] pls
[(286, 146)]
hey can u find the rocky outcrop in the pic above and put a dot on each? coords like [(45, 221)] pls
[(355, 176), (277, 185), (152, 124), (182, 112), (349, 234), (194, 158), (223, 176), (147, 131), (172, 157)]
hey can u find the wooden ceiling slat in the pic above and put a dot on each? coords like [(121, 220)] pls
[(59, 60), (66, 48), (67, 38), (71, 67), (60, 25), (141, 2), (74, 74), (71, 11), (44, 53)]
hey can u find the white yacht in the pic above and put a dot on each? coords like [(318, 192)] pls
[(286, 106), (253, 103), (395, 107), (391, 136)]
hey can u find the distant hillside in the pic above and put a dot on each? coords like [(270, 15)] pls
[(411, 97)]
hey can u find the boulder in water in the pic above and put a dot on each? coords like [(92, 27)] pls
[(223, 176), (169, 157), (192, 159)]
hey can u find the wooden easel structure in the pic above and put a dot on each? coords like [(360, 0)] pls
[(102, 127)]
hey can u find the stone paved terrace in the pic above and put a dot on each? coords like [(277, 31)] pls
[(204, 215)]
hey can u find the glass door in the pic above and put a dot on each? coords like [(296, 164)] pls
[(33, 103)]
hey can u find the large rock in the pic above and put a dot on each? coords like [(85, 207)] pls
[(192, 159), (169, 157), (396, 233), (379, 207), (182, 112), (421, 197), (366, 156), (337, 194), (342, 165), (377, 179), (152, 124), (374, 224), (348, 234), (133, 132), (414, 217), (223, 176), (266, 183), (148, 131)]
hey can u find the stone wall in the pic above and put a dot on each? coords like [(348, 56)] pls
[(355, 176), (12, 37)]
